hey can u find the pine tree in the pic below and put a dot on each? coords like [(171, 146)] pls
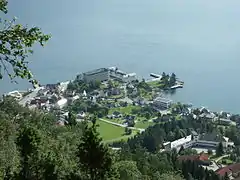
[(94, 157), (181, 150), (71, 119), (219, 150)]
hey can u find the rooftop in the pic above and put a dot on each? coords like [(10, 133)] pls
[(201, 157), (212, 137), (96, 71), (226, 120), (234, 168), (207, 115), (62, 102), (181, 141), (163, 100)]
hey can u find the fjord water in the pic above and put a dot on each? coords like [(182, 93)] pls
[(198, 40)]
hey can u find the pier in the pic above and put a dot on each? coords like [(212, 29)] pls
[(177, 86)]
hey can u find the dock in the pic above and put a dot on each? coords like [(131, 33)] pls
[(177, 86), (155, 75)]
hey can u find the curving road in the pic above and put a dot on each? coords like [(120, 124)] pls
[(221, 157), (121, 125), (30, 96)]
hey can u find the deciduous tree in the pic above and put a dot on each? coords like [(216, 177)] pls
[(16, 42)]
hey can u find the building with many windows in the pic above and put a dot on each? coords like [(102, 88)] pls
[(101, 74), (162, 103), (206, 140), (104, 74)]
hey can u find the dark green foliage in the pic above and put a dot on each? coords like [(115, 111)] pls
[(71, 119), (144, 86), (146, 111), (226, 177), (94, 157), (168, 81), (191, 170), (128, 170), (128, 131), (33, 147), (172, 80), (88, 106), (28, 141), (80, 86), (210, 152), (181, 150), (219, 150)]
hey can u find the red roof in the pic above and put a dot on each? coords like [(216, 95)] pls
[(201, 157), (234, 168), (223, 171)]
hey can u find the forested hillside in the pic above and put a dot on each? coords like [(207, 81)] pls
[(33, 146)]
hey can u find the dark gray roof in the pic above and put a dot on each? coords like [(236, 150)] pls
[(163, 100), (96, 71), (211, 137)]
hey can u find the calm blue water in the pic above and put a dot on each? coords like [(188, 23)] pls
[(198, 40)]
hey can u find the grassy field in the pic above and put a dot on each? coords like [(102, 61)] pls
[(124, 110), (122, 138), (155, 84), (109, 131), (143, 125), (226, 161)]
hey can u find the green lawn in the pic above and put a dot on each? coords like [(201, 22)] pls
[(124, 110), (178, 117), (116, 120), (226, 161), (155, 84), (143, 125), (122, 138), (109, 131)]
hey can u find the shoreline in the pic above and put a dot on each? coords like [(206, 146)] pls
[(151, 80)]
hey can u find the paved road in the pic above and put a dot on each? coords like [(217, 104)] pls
[(218, 159), (122, 125), (30, 96)]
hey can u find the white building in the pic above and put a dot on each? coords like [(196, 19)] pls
[(122, 76), (61, 103), (186, 142), (195, 140), (104, 74), (63, 86), (161, 102), (15, 94)]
